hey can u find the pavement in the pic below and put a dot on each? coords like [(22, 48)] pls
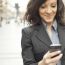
[(10, 43)]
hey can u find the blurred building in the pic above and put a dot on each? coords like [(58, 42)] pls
[(7, 13)]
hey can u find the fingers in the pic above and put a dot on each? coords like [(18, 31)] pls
[(56, 57), (54, 53), (50, 55)]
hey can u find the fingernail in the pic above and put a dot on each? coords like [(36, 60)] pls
[(59, 51), (61, 54)]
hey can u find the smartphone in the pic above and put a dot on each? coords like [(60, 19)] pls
[(55, 47)]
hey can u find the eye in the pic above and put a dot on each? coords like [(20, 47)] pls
[(53, 6)]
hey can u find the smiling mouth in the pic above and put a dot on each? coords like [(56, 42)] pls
[(48, 16)]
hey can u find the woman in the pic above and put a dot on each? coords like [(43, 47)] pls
[(48, 27)]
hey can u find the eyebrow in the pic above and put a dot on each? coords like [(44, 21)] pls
[(54, 3)]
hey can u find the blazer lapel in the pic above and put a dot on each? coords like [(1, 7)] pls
[(43, 36), (61, 34)]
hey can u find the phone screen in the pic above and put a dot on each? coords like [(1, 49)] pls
[(55, 47)]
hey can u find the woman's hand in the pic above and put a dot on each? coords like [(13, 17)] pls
[(50, 58)]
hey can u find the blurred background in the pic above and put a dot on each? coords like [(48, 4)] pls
[(11, 24)]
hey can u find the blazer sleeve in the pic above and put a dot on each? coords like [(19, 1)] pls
[(27, 50)]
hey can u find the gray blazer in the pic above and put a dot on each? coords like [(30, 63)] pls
[(35, 43)]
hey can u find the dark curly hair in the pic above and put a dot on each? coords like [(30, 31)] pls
[(32, 13)]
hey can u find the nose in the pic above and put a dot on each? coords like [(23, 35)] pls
[(48, 10)]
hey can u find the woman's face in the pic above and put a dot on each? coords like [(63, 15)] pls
[(48, 10)]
